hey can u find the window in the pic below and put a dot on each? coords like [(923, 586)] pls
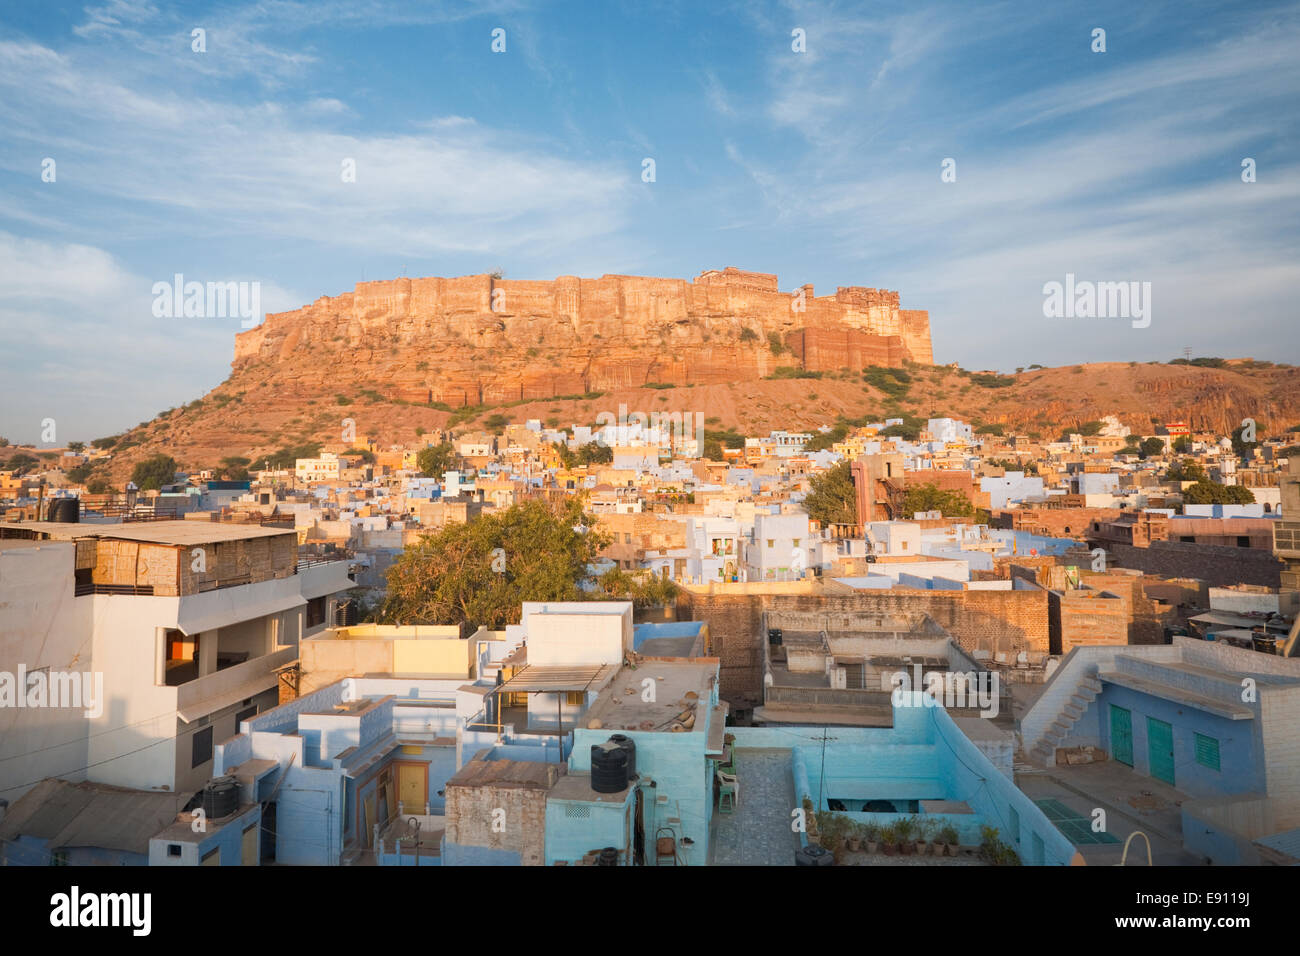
[(315, 612), (771, 542), (173, 849), (1243, 541), (247, 713), (202, 747), (1207, 751), (1015, 826)]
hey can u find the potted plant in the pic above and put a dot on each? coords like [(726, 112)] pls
[(906, 832), (871, 839), (889, 839), (948, 839), (855, 838), (928, 827), (994, 851)]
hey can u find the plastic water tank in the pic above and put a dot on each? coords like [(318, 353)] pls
[(628, 744), (64, 509), (608, 768), (220, 797)]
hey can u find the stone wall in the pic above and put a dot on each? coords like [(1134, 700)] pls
[(1216, 566), (1005, 622)]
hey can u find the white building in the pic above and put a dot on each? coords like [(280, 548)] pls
[(325, 468), (780, 549), (177, 627)]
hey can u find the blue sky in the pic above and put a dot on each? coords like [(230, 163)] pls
[(822, 166)]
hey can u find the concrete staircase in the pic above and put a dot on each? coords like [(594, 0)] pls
[(1075, 706)]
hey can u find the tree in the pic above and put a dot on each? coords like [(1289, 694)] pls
[(154, 472), (642, 588), (21, 463), (1240, 447), (1182, 445), (77, 447), (822, 441), (458, 575), (434, 460), (930, 497), (235, 467), (907, 431), (79, 474), (713, 450), (365, 454), (1151, 446), (1185, 470), (594, 453), (496, 424), (1213, 493), (832, 499), (99, 486)]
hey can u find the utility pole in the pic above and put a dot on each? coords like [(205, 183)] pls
[(821, 782)]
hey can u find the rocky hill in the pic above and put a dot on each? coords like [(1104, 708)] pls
[(402, 358)]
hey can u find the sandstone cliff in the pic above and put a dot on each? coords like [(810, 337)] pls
[(477, 339)]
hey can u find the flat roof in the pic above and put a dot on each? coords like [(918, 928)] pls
[(178, 533), (681, 687)]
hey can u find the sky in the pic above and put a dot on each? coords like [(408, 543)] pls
[(824, 165)]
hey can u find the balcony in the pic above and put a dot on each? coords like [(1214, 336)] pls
[(231, 685)]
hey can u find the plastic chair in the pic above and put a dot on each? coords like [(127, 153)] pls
[(728, 792)]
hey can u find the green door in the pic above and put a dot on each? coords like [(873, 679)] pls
[(1121, 735), (1160, 749)]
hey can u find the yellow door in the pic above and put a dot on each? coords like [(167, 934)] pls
[(413, 784), (249, 847)]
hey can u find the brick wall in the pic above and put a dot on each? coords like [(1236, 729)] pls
[(1216, 566), (995, 621)]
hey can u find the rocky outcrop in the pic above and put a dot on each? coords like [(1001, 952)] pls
[(479, 339)]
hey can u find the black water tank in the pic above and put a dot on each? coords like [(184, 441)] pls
[(347, 614), (64, 509), (608, 768), (628, 744), (608, 857), (220, 797), (813, 855)]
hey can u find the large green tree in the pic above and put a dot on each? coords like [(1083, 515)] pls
[(930, 497), (1151, 446), (1213, 493), (434, 460), (1186, 470), (154, 472), (831, 499), (458, 574)]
